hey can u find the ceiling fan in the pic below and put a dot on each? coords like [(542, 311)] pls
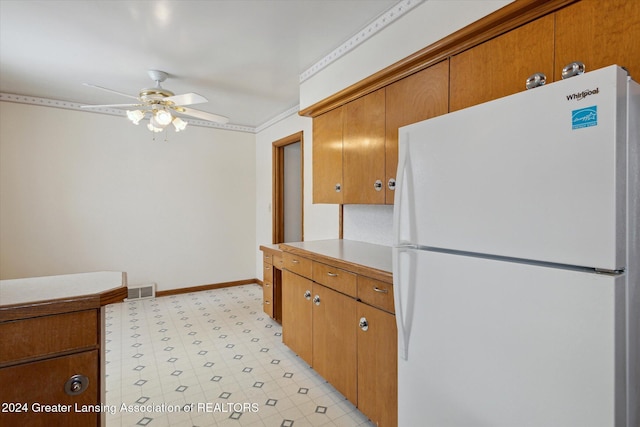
[(162, 105)]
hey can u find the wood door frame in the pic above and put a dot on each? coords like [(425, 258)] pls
[(277, 156)]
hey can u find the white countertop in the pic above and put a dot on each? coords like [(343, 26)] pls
[(361, 253), (33, 289)]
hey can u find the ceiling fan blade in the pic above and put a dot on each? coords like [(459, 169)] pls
[(203, 115), (112, 106), (187, 99), (110, 90)]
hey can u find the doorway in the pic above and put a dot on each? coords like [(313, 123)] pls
[(288, 189)]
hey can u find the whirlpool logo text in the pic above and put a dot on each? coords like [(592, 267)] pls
[(582, 95)]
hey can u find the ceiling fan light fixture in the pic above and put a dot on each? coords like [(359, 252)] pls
[(179, 124), (161, 105), (163, 117), (135, 116), (152, 128)]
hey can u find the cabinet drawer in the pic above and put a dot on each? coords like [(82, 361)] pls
[(267, 258), (376, 293), (298, 265), (335, 278), (43, 383), (278, 262), (267, 273), (41, 336), (267, 298)]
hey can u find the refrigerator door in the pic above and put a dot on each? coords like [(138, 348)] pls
[(538, 175), (494, 343)]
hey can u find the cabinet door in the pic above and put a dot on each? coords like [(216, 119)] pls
[(377, 366), (418, 97), (363, 149), (501, 66), (43, 383), (599, 33), (334, 340), (296, 315), (327, 157)]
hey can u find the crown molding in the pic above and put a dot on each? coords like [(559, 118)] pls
[(384, 20), (290, 112), (54, 103)]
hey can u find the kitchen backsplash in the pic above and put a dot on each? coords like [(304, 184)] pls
[(368, 223)]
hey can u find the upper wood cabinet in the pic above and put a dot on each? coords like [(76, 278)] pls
[(327, 157), (599, 34), (369, 130), (489, 59), (501, 66), (418, 97), (363, 163)]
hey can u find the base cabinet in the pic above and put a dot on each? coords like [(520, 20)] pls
[(296, 316), (341, 324), (377, 365), (334, 340), (39, 390)]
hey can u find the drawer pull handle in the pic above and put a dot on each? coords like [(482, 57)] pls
[(267, 302), (76, 385), (382, 291), (267, 268), (307, 295), (295, 261), (330, 274)]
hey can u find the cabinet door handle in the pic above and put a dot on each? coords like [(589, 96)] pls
[(307, 295), (377, 185), (573, 69), (338, 187), (382, 291), (76, 385), (364, 324), (330, 274), (391, 184), (316, 300)]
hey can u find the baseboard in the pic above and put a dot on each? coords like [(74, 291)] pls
[(205, 287)]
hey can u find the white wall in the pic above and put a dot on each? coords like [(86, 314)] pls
[(83, 192)]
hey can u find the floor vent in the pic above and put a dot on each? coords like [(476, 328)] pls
[(141, 291)]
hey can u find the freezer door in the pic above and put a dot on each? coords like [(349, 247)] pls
[(538, 175), (492, 343)]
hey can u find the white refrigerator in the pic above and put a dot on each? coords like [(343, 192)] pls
[(516, 260)]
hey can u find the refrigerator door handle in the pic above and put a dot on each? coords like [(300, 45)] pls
[(404, 293), (400, 198)]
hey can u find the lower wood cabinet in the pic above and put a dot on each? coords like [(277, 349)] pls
[(38, 388), (297, 331), (377, 365), (349, 340), (334, 340)]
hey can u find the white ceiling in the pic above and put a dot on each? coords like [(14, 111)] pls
[(245, 56)]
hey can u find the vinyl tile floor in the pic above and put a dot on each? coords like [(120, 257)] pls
[(211, 358)]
